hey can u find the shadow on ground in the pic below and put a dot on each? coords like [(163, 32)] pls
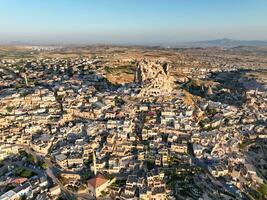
[(228, 87)]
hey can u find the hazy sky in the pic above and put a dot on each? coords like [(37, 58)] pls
[(131, 21)]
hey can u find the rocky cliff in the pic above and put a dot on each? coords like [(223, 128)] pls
[(154, 78)]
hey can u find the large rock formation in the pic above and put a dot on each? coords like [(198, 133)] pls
[(154, 78)]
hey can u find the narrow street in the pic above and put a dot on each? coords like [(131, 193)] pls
[(49, 171)]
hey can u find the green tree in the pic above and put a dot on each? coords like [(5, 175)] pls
[(9, 109), (263, 189), (31, 159), (44, 165)]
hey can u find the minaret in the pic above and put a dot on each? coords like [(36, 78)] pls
[(26, 80), (94, 162)]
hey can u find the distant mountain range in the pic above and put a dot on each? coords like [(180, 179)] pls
[(227, 43)]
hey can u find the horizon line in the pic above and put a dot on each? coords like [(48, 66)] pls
[(188, 42)]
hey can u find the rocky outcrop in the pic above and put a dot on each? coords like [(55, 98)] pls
[(154, 78)]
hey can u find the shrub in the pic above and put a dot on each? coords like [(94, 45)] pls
[(25, 173)]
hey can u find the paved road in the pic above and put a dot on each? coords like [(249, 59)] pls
[(85, 197), (49, 171), (20, 164), (65, 192)]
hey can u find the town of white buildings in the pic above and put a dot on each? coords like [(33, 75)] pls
[(67, 132)]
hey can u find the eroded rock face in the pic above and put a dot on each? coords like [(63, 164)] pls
[(154, 77)]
